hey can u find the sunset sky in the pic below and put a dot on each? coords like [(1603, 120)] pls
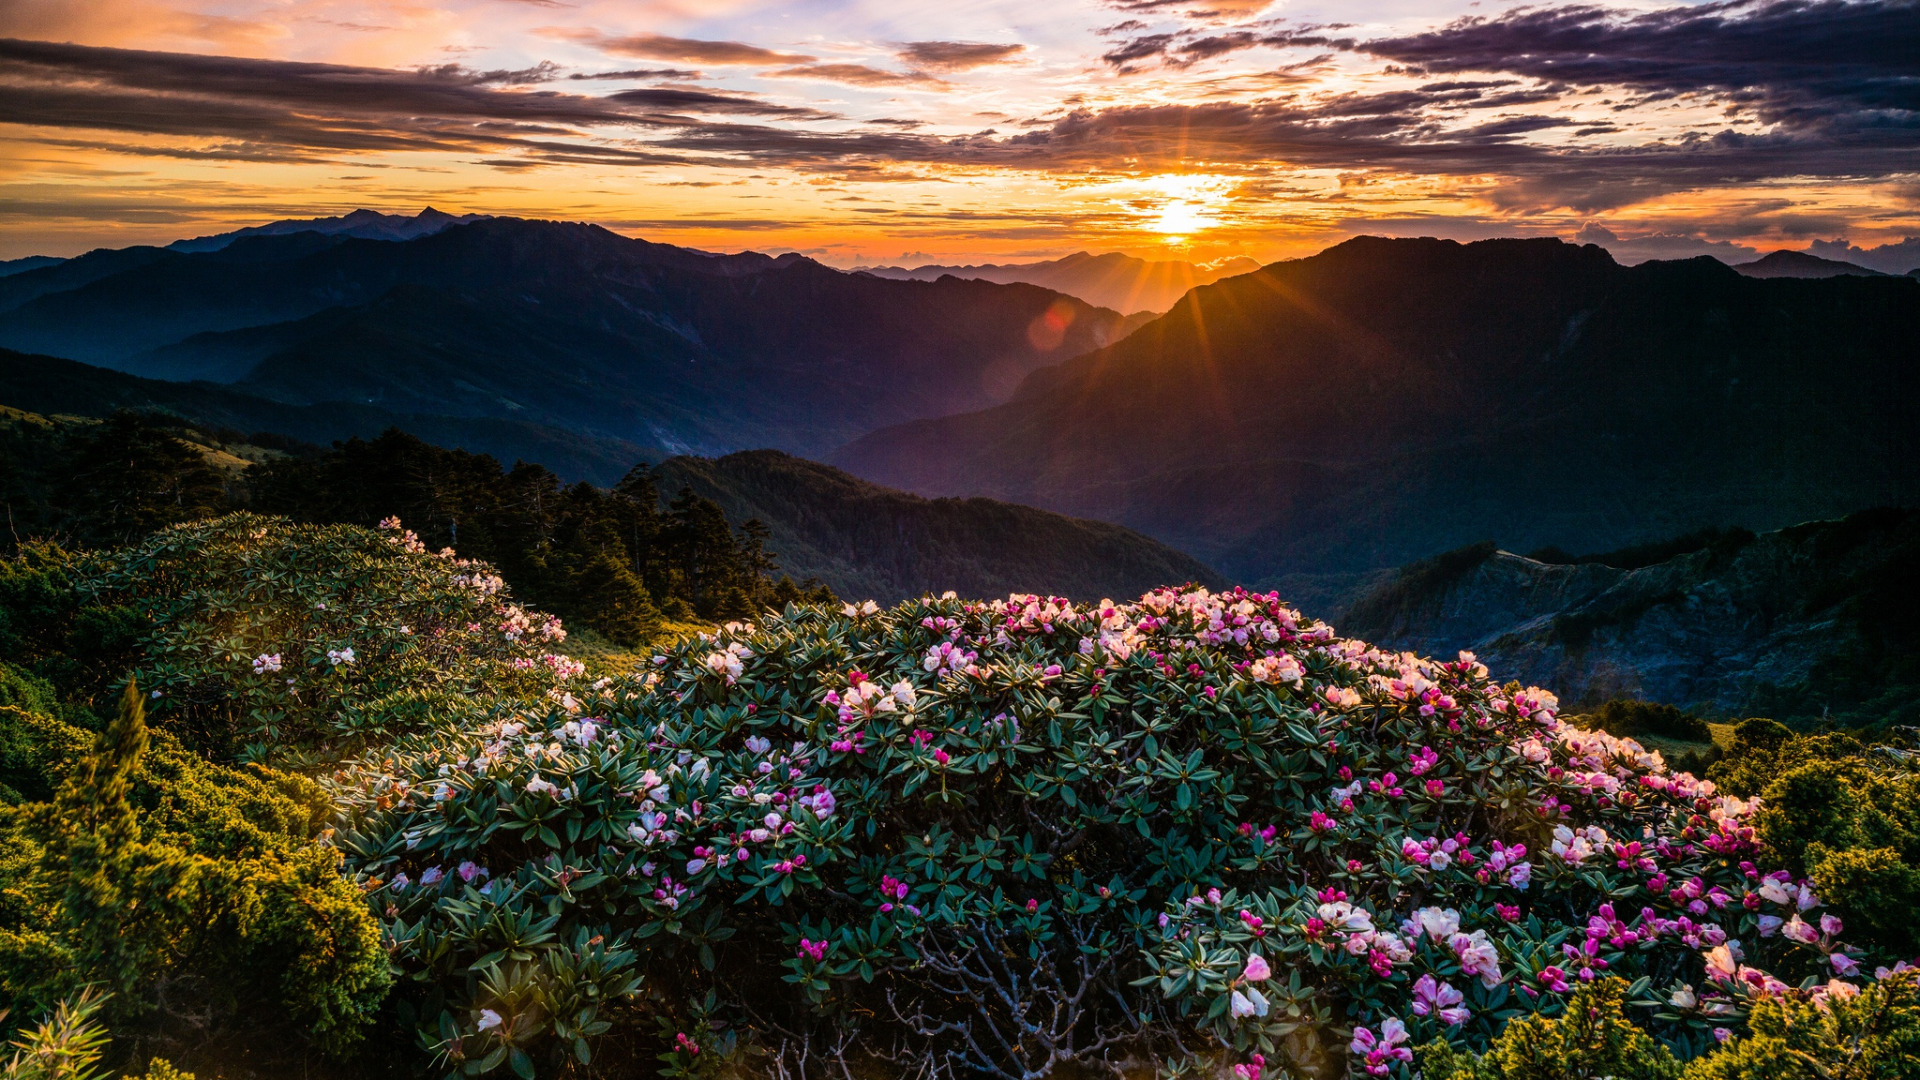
[(883, 130)]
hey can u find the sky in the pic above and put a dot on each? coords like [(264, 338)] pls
[(865, 131)]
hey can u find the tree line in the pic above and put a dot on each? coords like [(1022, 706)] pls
[(620, 560)]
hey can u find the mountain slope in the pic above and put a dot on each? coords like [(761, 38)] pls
[(1112, 280), (1796, 623), (559, 324), (1390, 398), (46, 384), (1799, 264), (866, 541)]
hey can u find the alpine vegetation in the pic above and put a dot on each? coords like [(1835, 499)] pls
[(992, 838)]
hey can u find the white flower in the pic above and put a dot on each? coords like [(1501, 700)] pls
[(337, 657), (1249, 1002), (904, 693), (266, 662), (488, 1020)]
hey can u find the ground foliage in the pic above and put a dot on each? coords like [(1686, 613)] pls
[(996, 837)]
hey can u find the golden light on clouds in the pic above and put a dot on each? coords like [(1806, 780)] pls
[(859, 131)]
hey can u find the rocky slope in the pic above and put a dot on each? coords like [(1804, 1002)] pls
[(1809, 621)]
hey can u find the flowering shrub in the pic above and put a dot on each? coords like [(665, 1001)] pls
[(1000, 836), (272, 639)]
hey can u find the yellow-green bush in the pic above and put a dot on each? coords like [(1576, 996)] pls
[(152, 865)]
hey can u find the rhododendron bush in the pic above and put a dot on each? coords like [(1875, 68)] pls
[(1000, 836), (264, 639)]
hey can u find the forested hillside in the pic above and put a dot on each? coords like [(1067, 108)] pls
[(864, 540)]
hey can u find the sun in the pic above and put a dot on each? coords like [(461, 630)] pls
[(1177, 205)]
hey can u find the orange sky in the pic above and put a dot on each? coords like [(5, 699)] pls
[(881, 131)]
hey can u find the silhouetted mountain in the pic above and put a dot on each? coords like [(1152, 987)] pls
[(9, 267), (1112, 280), (1386, 399), (1799, 264), (46, 384), (565, 325), (1814, 620), (363, 224), (867, 541)]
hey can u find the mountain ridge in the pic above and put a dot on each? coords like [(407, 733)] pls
[(1124, 283), (1296, 419), (563, 324)]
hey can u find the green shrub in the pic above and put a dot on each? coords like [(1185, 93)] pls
[(1634, 719), (152, 866), (1590, 1040), (1846, 1033), (1842, 814), (68, 1045)]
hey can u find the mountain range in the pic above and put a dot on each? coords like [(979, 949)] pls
[(562, 326), (1113, 280), (1799, 264), (1390, 398), (1806, 623)]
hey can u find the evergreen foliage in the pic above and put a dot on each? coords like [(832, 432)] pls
[(156, 874)]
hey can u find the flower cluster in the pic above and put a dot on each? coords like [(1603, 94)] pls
[(1271, 829)]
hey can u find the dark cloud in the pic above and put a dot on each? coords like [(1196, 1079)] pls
[(1803, 64), (675, 99), (278, 110), (854, 75), (636, 73), (544, 71), (684, 50), (956, 55)]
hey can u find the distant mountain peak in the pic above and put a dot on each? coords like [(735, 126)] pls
[(1799, 264), (1113, 280), (361, 224)]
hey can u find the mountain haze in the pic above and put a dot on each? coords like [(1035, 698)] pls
[(554, 324), (1387, 399), (1112, 280)]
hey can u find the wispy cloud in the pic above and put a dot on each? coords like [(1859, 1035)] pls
[(956, 55)]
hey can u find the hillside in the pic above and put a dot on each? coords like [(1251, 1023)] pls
[(1809, 622), (866, 541), (565, 325), (1110, 280), (46, 384), (1310, 417)]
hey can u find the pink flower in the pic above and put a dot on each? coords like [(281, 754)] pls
[(1257, 969), (1434, 998)]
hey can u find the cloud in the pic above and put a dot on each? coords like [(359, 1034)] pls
[(1895, 258), (1801, 64), (854, 75), (1662, 245), (698, 101), (272, 109), (956, 55), (635, 73), (1210, 10), (680, 50)]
